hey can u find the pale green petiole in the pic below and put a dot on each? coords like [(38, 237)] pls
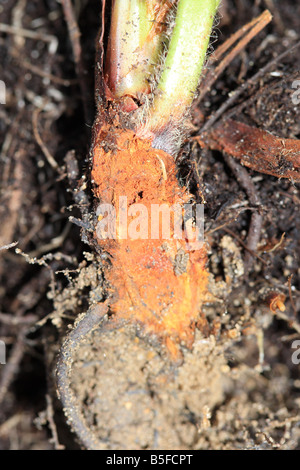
[(135, 43), (184, 62)]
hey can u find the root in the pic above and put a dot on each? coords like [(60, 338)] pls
[(93, 318)]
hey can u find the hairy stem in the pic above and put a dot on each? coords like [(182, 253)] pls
[(184, 62), (135, 43)]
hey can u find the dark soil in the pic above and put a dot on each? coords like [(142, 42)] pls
[(238, 388)]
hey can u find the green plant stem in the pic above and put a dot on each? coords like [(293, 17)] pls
[(184, 62), (135, 42)]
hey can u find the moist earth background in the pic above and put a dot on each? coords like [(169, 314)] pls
[(228, 394)]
